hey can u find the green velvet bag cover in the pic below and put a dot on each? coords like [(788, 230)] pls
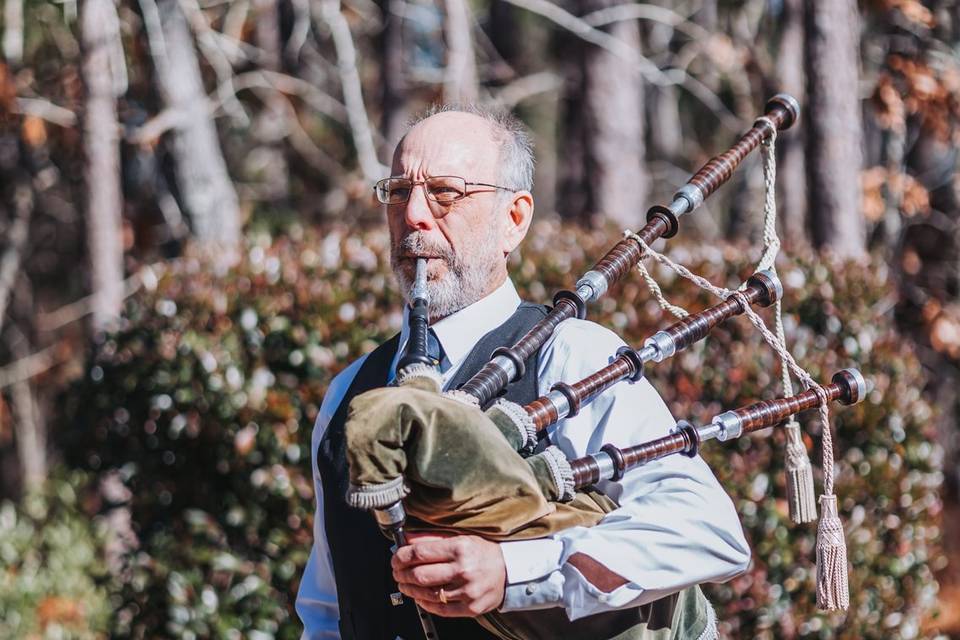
[(455, 471)]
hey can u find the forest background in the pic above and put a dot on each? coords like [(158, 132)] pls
[(190, 251)]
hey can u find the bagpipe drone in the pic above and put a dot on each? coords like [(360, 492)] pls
[(496, 478)]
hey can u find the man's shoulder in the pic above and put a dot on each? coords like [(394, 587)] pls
[(585, 333), (578, 348)]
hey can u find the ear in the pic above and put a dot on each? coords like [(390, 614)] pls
[(519, 216)]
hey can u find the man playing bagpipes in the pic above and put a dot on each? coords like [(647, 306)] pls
[(459, 197)]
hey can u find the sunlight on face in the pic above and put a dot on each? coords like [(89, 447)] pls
[(464, 246)]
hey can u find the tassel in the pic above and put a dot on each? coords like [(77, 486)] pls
[(377, 496), (833, 591), (800, 492), (420, 376)]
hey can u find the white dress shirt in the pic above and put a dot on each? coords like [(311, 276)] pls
[(675, 526)]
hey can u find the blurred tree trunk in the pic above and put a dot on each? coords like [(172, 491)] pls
[(270, 125), (104, 81), (663, 108), (833, 126), (202, 178), (29, 427), (13, 32), (393, 82), (460, 76), (603, 171), (791, 169)]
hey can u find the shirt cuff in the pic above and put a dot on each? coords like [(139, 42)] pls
[(535, 594), (527, 560)]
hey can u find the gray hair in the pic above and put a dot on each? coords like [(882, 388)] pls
[(516, 147)]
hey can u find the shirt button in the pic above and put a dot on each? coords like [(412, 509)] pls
[(603, 597), (531, 589)]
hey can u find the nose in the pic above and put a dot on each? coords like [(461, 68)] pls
[(416, 210)]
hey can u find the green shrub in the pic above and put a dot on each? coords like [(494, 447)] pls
[(206, 398), (52, 576)]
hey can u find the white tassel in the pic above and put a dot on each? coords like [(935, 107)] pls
[(421, 376), (833, 591), (801, 495), (462, 397), (377, 496)]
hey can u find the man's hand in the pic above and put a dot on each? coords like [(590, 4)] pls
[(469, 569)]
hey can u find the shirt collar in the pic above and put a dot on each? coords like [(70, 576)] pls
[(461, 331)]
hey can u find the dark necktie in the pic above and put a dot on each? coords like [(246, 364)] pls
[(435, 351)]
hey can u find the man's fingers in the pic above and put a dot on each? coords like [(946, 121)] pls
[(430, 594), (452, 610), (425, 551), (426, 575), (425, 536)]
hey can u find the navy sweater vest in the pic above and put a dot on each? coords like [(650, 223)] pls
[(360, 552)]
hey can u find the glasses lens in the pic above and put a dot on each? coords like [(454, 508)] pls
[(393, 190), (446, 189)]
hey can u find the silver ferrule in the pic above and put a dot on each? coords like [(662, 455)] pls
[(605, 462), (691, 194), (560, 403), (506, 364), (664, 345), (863, 387), (708, 431), (591, 286), (729, 426), (419, 290), (775, 279), (391, 516), (648, 353)]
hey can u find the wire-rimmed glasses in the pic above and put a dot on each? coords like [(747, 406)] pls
[(443, 190)]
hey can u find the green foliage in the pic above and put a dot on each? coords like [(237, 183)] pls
[(206, 398), (52, 581)]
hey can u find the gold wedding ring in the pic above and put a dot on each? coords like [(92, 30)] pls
[(442, 595)]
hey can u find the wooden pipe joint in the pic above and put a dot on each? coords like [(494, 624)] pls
[(619, 464), (769, 287), (853, 387), (667, 216), (690, 436), (575, 299), (573, 398), (634, 359), (519, 368), (785, 107)]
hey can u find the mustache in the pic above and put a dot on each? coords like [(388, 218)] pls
[(417, 243)]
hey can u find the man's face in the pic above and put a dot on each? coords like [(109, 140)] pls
[(464, 247)]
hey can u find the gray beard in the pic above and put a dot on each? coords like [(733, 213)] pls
[(465, 281)]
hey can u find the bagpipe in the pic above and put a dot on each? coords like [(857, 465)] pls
[(464, 461)]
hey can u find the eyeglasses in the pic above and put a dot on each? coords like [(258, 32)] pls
[(444, 190)]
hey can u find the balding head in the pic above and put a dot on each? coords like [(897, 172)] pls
[(449, 144), (515, 160)]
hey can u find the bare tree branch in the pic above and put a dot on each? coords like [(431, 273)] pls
[(28, 423), (609, 15), (526, 87), (215, 55), (460, 75), (632, 55), (27, 367), (78, 309), (352, 89), (315, 98), (46, 110), (17, 238), (301, 28), (13, 31)]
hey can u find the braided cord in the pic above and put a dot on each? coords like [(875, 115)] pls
[(777, 340)]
